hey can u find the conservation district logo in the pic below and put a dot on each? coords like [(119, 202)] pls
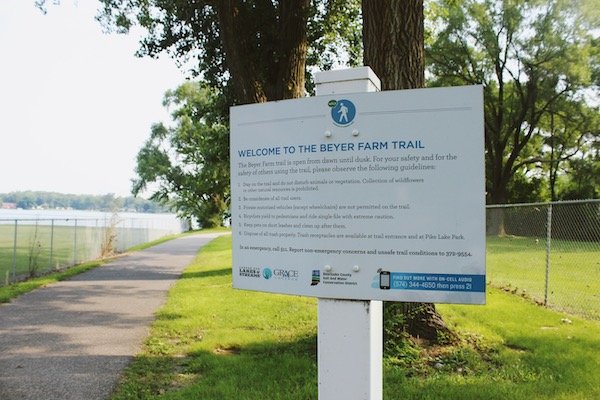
[(316, 277), (342, 112)]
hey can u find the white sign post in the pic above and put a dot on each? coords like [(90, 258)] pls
[(350, 333), (354, 197)]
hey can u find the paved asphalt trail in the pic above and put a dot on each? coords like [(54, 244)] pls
[(71, 340)]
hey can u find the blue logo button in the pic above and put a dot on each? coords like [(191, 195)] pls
[(343, 112), (267, 273)]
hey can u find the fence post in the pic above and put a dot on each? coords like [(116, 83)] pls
[(548, 243), (75, 244), (15, 253), (51, 242)]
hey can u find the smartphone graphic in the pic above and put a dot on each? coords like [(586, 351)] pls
[(384, 280)]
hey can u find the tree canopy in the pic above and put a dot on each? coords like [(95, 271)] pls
[(536, 59), (253, 50), (187, 165), (533, 58)]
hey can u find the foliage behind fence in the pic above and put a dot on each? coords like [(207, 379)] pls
[(549, 252)]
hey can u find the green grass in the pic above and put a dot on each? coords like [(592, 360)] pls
[(166, 238), (525, 352), (143, 246), (11, 291), (235, 343), (519, 264), (163, 239), (212, 342)]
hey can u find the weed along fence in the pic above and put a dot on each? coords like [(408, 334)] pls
[(31, 247), (549, 252)]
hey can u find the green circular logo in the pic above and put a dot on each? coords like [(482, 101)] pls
[(267, 273)]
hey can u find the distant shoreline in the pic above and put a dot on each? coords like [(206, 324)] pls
[(39, 200)]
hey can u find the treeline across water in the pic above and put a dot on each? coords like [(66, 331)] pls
[(51, 200)]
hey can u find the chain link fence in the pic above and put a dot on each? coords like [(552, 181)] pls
[(548, 252), (33, 247)]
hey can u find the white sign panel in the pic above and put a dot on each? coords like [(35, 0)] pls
[(371, 196)]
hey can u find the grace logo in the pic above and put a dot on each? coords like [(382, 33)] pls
[(342, 112), (286, 274), (267, 273)]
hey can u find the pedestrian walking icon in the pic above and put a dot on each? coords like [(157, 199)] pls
[(343, 112)]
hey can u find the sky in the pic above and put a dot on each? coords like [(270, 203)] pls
[(76, 105)]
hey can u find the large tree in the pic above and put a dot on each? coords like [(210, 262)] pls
[(569, 131), (582, 180), (529, 55), (393, 37), (256, 48), (187, 165)]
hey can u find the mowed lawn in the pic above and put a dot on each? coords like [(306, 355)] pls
[(212, 342), (519, 264)]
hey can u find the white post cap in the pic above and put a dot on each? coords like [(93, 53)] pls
[(351, 80)]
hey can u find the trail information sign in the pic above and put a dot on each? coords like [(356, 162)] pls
[(370, 196)]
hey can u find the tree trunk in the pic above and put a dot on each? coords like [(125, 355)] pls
[(238, 53), (393, 39), (293, 46), (256, 78), (495, 222)]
